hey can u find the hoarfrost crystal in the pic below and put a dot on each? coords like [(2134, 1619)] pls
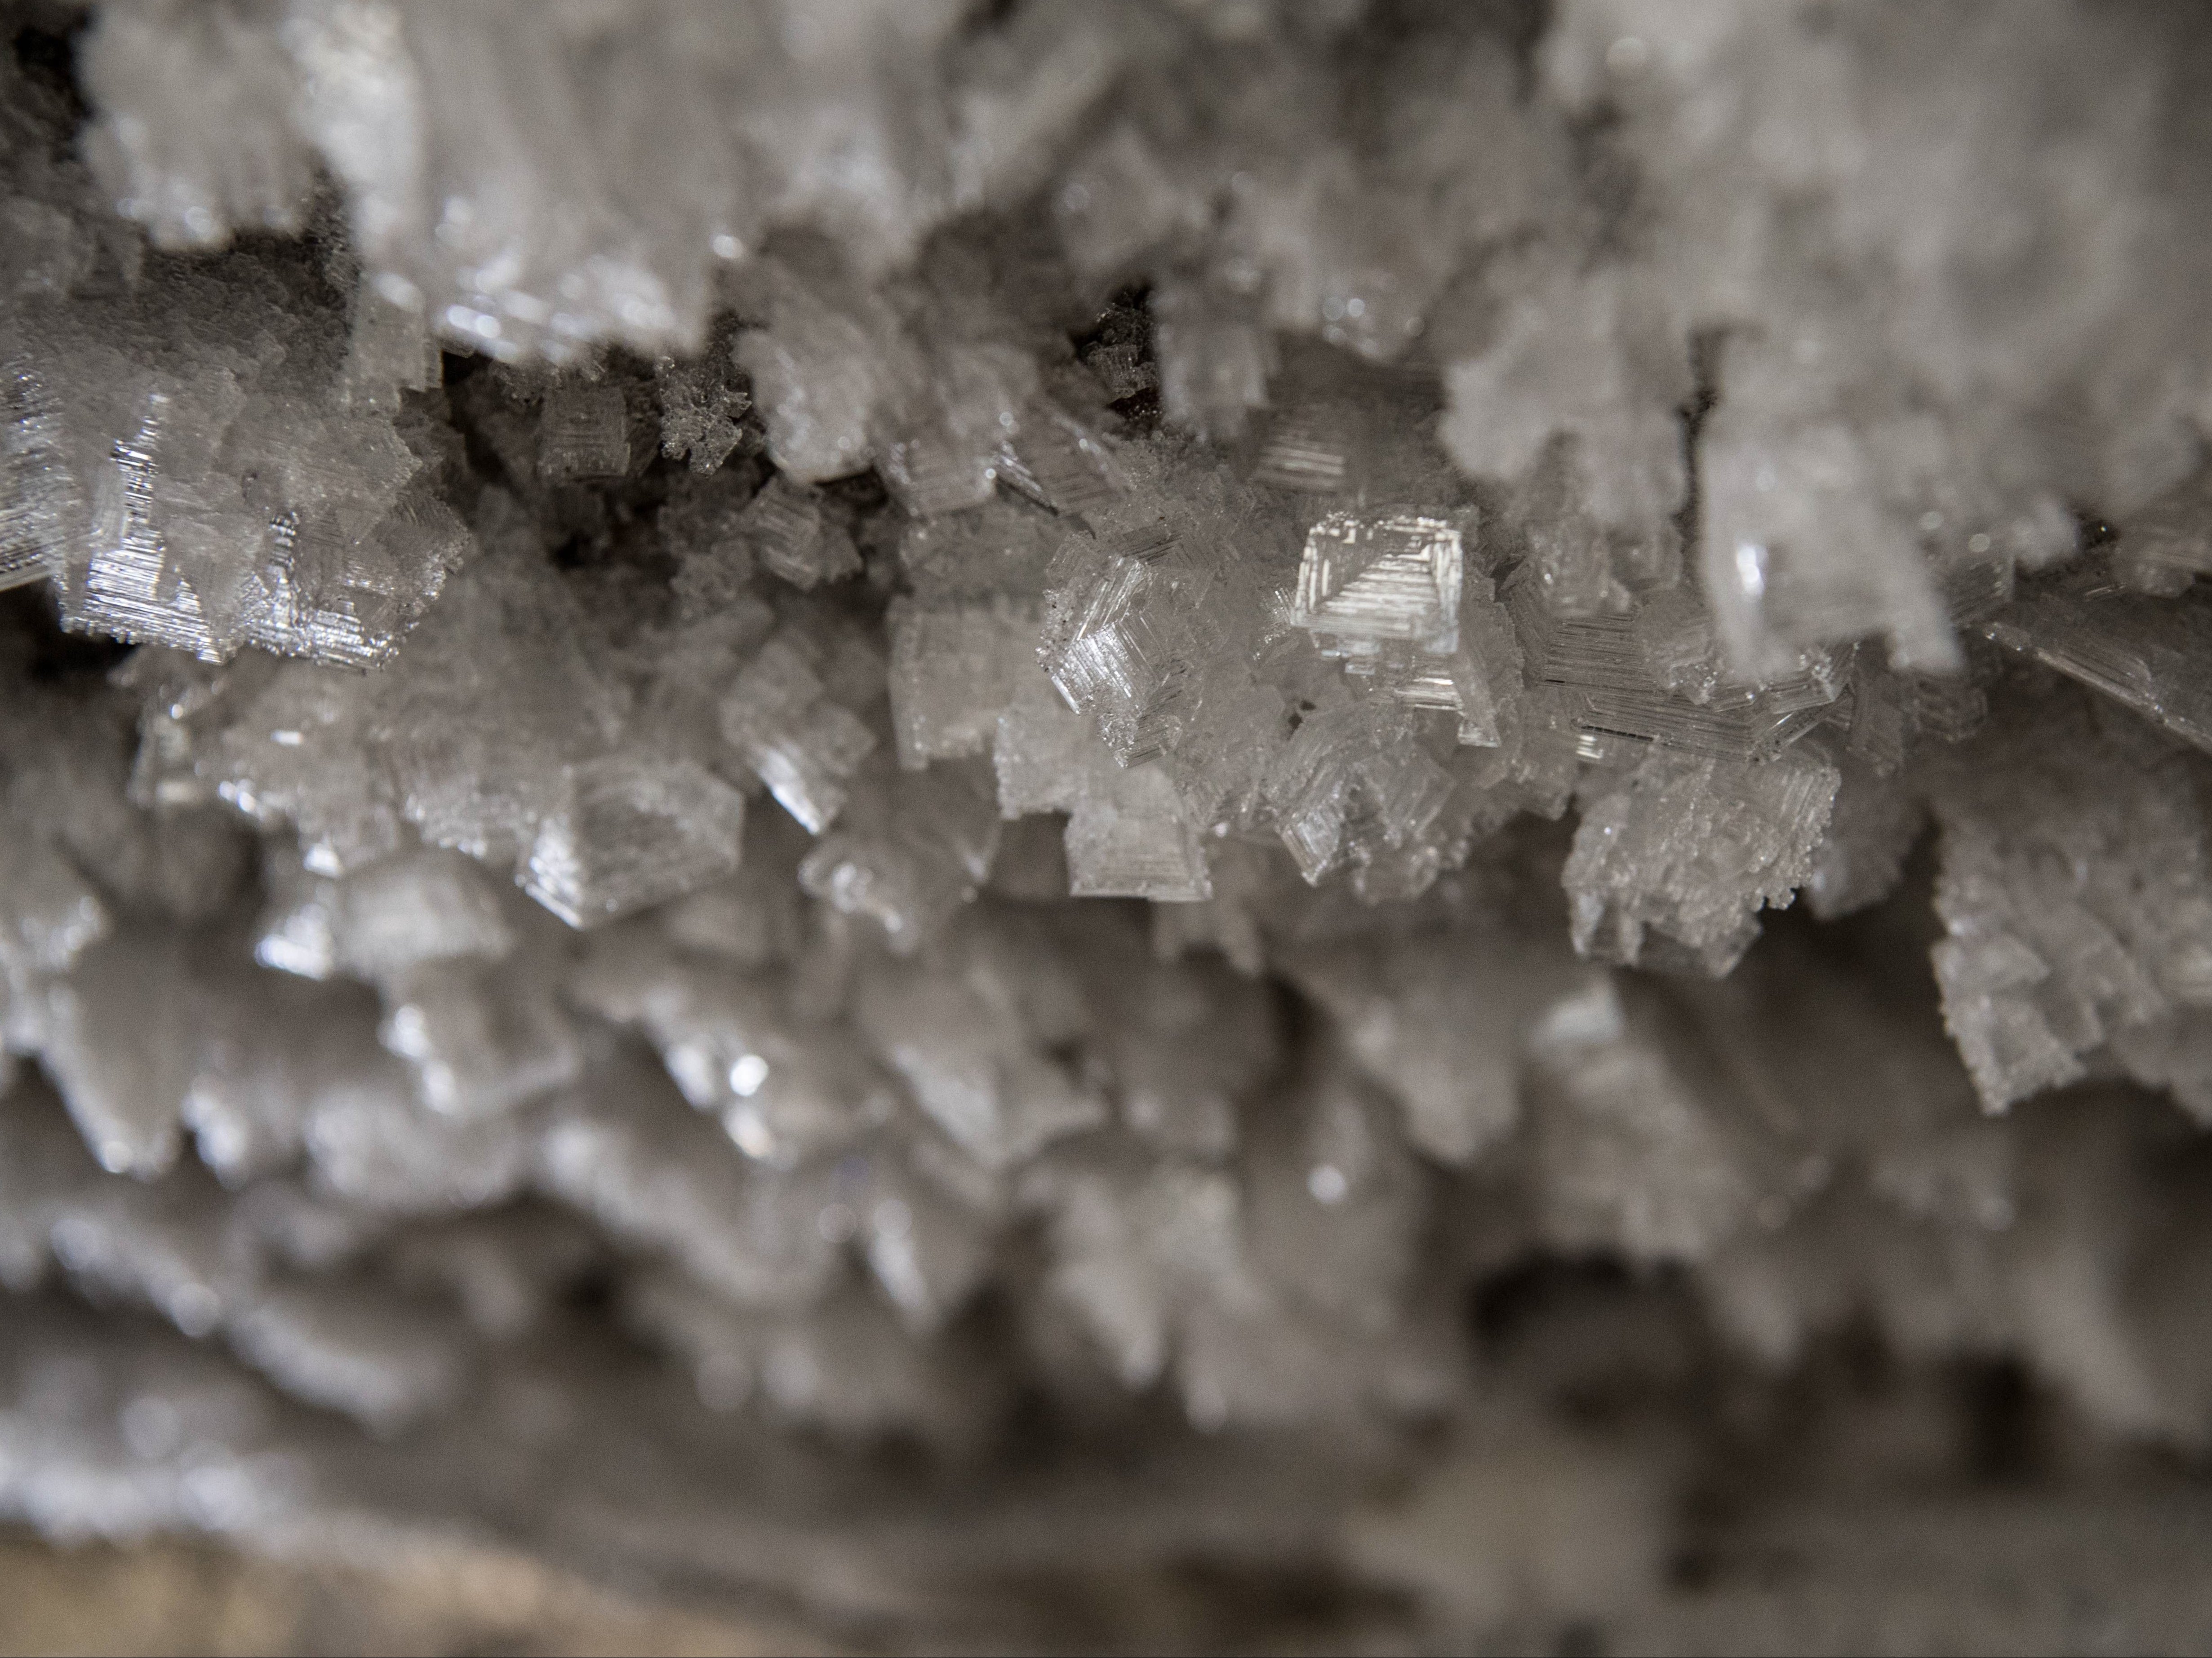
[(940, 812)]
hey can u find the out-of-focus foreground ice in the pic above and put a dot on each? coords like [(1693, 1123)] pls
[(869, 801)]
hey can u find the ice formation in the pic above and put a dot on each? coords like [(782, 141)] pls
[(739, 734)]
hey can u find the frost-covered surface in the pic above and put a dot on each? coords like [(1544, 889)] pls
[(738, 736)]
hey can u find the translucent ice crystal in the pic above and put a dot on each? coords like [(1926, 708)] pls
[(480, 1043), (1303, 452), (993, 1093), (666, 1179), (267, 1059), (1636, 1154), (702, 405), (916, 852), (127, 1092), (245, 497), (1769, 504), (422, 906), (953, 672), (1131, 836), (1445, 1025), (784, 1086), (1365, 582), (1214, 361), (787, 535), (2142, 654), (816, 372), (1126, 620), (1690, 849), (2052, 953), (1353, 782), (583, 433), (631, 831), (798, 740)]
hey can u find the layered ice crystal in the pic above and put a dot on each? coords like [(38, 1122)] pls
[(248, 499)]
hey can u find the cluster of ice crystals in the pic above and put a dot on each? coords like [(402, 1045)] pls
[(740, 731), (202, 464), (1689, 847), (2078, 923)]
